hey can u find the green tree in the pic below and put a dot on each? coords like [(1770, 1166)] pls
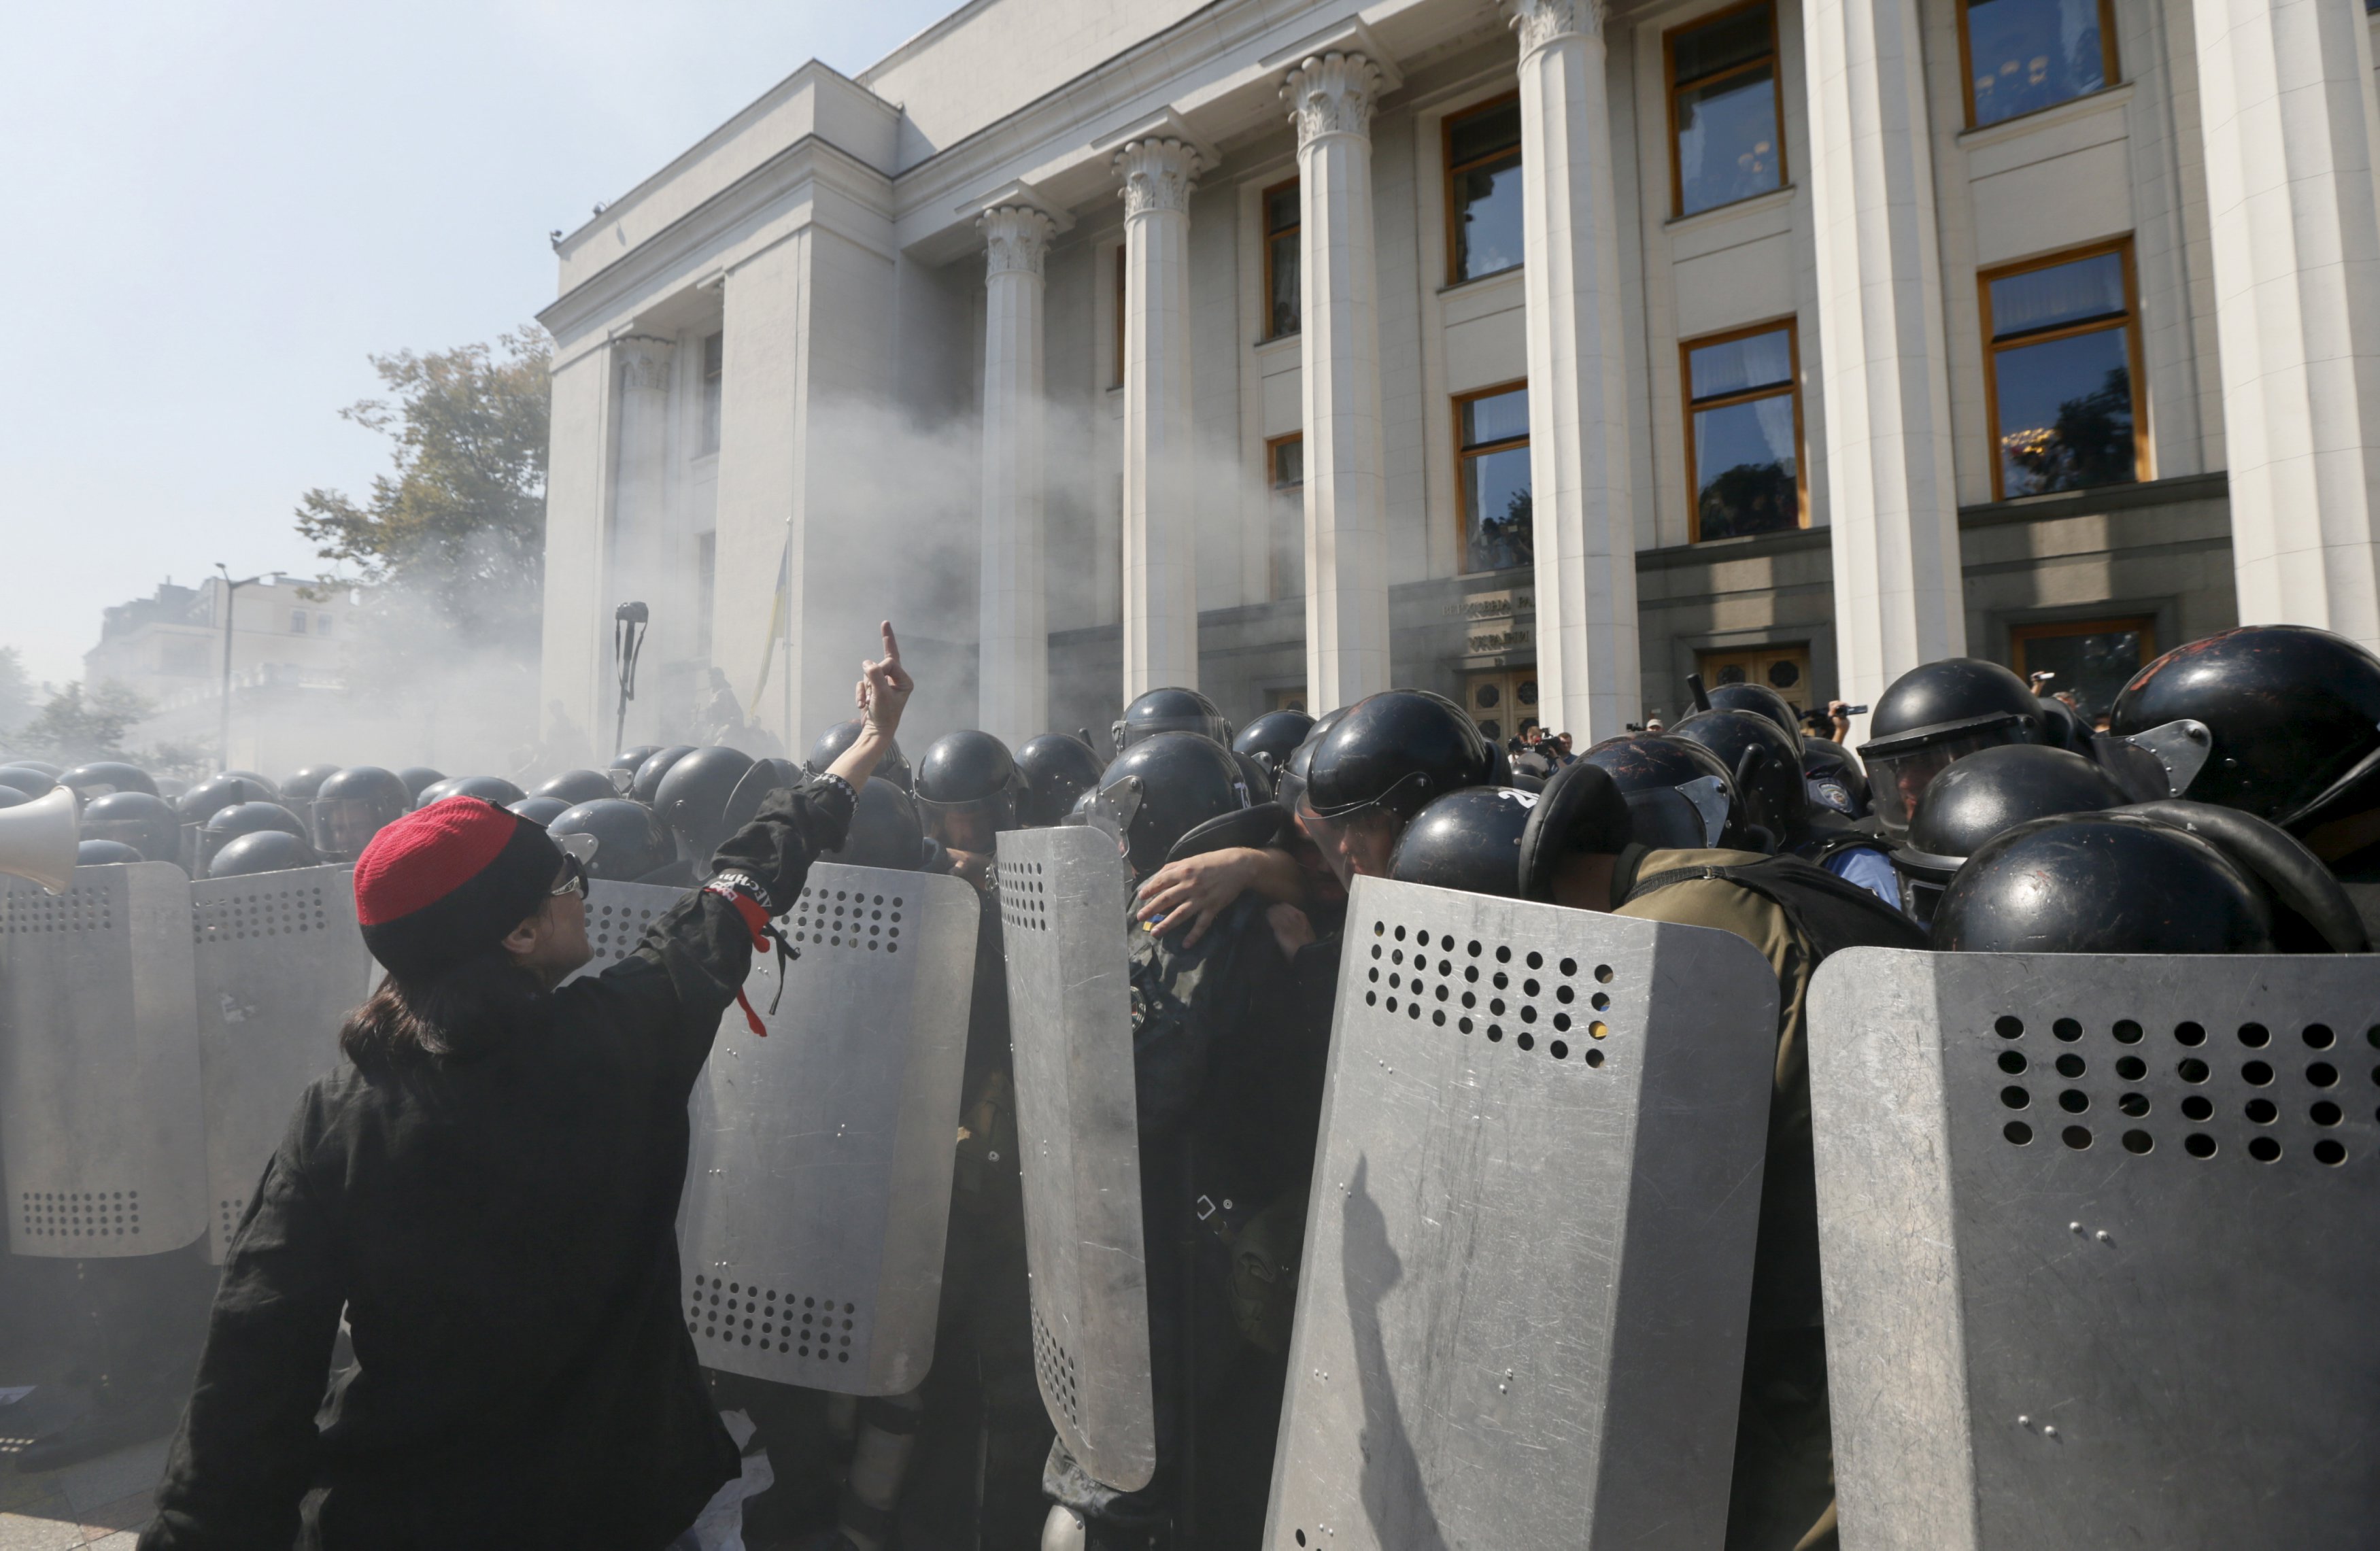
[(457, 529), (74, 727)]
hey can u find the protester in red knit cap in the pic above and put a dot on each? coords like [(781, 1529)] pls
[(488, 1190)]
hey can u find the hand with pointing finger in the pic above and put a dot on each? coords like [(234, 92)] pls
[(882, 694)]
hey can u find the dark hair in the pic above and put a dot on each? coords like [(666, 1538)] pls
[(405, 1022)]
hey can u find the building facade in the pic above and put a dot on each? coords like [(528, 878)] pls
[(1539, 352)]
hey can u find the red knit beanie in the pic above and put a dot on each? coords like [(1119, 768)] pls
[(447, 882)]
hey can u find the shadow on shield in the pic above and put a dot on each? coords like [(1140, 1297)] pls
[(2097, 1245), (1522, 1308), (819, 1190), (103, 1149), (1061, 894), (278, 960)]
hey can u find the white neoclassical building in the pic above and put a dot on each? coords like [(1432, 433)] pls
[(1538, 353)]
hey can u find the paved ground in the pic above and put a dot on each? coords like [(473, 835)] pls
[(101, 1503)]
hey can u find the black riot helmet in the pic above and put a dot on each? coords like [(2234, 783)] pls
[(1582, 812), (968, 789), (1765, 763), (893, 767), (300, 789), (764, 777), (140, 819), (541, 810), (417, 779), (244, 818), (32, 782), (2280, 721), (40, 766), (492, 789), (1274, 735), (436, 792), (1833, 778), (211, 797), (105, 854), (2062, 726), (1396, 752), (1174, 794), (885, 830), (272, 787), (1468, 839), (629, 759), (1058, 768), (647, 787), (1681, 797), (692, 801), (353, 806), (1761, 701), (2102, 883), (1288, 781), (1171, 709), (1985, 795), (103, 776), (264, 851), (578, 786), (629, 839), (1935, 714)]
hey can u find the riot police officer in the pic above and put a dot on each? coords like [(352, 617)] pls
[(968, 790), (139, 820), (1982, 795), (355, 805), (1934, 715), (835, 739), (1171, 709), (263, 851), (631, 844), (691, 800), (1765, 760), (1057, 767)]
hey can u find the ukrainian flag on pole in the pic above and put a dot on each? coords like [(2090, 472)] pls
[(780, 611)]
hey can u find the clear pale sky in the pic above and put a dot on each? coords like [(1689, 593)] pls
[(213, 213)]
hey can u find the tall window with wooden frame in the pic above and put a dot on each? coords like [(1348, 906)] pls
[(1483, 190), (1285, 513), (2020, 57), (1116, 379), (2061, 358), (1283, 254), (1492, 455), (1727, 122), (1743, 431)]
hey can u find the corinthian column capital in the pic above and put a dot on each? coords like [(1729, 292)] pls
[(644, 362), (1540, 22), (1015, 239), (1157, 176), (1332, 94)]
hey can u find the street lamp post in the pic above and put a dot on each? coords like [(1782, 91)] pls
[(223, 730)]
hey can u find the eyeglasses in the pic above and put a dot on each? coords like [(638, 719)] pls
[(572, 880)]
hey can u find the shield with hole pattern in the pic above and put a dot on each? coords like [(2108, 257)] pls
[(618, 915), (1521, 1309), (819, 1186), (277, 958), (103, 1149), (1061, 896), (2098, 1248)]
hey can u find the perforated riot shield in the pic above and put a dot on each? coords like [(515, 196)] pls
[(103, 1150), (277, 959), (1061, 895), (819, 1191), (2098, 1248), (618, 915), (1521, 1309)]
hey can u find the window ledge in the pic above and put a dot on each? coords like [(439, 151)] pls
[(2098, 501), (1775, 199), (1478, 280), (2107, 99), (1280, 343)]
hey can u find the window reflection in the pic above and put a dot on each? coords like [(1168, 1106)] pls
[(1723, 109), (1741, 435), (2062, 376), (1483, 159), (1494, 432), (2024, 56), (1281, 253)]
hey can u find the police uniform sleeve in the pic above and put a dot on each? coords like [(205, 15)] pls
[(245, 1452), (694, 958)]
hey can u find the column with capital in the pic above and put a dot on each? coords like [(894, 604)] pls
[(1892, 506), (1160, 580), (1582, 522), (637, 557), (1346, 481), (1012, 685), (2287, 114)]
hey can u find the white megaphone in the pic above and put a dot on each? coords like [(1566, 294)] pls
[(38, 839)]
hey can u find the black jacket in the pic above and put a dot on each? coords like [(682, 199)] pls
[(499, 1225)]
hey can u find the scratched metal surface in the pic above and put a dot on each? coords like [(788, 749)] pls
[(2099, 1248), (277, 958), (1528, 1257), (1061, 895), (819, 1189), (103, 1149)]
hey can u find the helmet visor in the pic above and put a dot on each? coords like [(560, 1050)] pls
[(1352, 841), (343, 826), (971, 825), (1897, 780)]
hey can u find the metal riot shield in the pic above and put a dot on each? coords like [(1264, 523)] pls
[(820, 1184), (2098, 1248), (1061, 895), (103, 1151), (618, 915), (1521, 1309), (278, 959)]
